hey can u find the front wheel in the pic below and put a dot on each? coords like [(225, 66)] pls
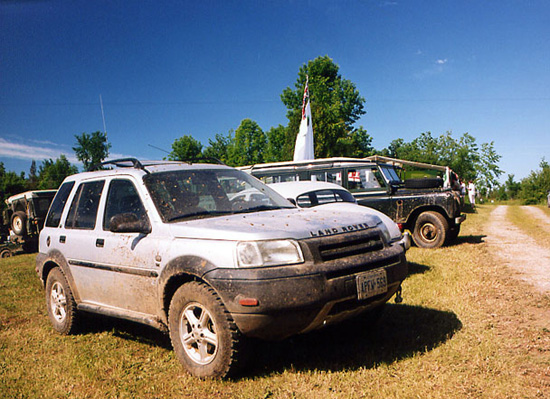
[(430, 230), (60, 303), (204, 336)]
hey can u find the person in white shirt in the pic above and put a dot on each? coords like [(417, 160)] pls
[(472, 193)]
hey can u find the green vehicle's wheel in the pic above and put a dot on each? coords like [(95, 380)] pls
[(430, 230)]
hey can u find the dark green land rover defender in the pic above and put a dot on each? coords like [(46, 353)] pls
[(427, 206)]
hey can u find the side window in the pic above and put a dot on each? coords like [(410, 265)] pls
[(330, 176), (54, 216), (83, 211), (122, 198), (365, 179)]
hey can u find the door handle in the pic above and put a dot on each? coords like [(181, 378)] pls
[(100, 242)]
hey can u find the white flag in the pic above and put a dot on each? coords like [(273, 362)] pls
[(303, 149)]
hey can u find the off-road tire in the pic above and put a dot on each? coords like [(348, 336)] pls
[(204, 336), (426, 182), (430, 230), (60, 303), (18, 223), (5, 253)]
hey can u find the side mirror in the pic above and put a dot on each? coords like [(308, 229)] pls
[(129, 223)]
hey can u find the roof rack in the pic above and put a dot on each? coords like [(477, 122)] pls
[(135, 163), (120, 163), (197, 160)]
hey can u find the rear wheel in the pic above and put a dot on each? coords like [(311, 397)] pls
[(60, 303), (5, 253), (430, 230), (204, 336), (19, 223)]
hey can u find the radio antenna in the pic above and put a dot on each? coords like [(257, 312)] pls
[(103, 115), (157, 148)]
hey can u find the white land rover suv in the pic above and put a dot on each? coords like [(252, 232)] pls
[(173, 245)]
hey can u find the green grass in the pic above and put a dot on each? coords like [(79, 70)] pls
[(535, 228), (465, 329)]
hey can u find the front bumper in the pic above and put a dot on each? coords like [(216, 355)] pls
[(460, 219), (300, 298)]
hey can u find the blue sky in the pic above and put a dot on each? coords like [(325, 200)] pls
[(170, 68)]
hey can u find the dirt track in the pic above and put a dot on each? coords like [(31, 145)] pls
[(519, 251)]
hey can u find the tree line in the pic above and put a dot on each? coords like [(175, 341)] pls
[(336, 107)]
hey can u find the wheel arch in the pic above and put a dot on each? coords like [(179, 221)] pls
[(411, 220), (178, 272), (56, 259)]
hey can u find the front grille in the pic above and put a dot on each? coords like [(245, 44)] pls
[(356, 246)]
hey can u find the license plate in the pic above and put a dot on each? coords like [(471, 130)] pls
[(371, 283)]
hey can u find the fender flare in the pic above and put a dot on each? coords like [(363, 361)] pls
[(177, 272), (53, 259)]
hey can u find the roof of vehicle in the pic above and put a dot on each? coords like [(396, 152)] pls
[(295, 188), (320, 162), (30, 194), (401, 162), (139, 168)]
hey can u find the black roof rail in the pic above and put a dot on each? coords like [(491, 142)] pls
[(120, 163), (197, 160)]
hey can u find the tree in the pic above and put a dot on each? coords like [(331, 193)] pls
[(488, 170), (52, 173), (335, 105), (275, 151), (32, 181), (249, 145), (91, 149), (220, 147), (463, 156), (186, 147), (358, 144), (535, 187), (10, 183)]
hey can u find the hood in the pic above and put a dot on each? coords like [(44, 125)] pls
[(284, 223)]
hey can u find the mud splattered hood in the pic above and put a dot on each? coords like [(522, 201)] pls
[(287, 223)]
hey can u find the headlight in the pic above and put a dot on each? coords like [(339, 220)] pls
[(385, 232), (268, 253)]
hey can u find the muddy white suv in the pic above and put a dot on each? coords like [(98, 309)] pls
[(172, 245)]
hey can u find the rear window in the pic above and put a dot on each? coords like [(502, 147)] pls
[(56, 209), (321, 197)]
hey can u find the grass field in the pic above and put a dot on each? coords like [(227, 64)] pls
[(465, 330)]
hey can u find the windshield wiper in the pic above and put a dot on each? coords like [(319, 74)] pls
[(263, 208), (199, 215)]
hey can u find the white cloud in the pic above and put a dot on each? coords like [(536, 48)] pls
[(40, 150), (441, 61), (33, 150)]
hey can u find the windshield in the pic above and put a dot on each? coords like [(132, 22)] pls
[(191, 194), (390, 173)]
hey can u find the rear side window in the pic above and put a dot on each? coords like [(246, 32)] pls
[(56, 209), (83, 211)]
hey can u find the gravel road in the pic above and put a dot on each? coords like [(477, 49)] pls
[(519, 251)]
